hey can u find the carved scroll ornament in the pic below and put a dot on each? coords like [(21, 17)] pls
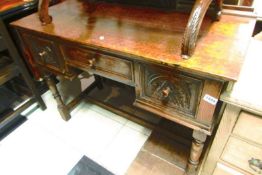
[(44, 16), (191, 32), (194, 23)]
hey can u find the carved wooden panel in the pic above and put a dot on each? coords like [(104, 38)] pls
[(44, 52), (108, 66), (170, 90)]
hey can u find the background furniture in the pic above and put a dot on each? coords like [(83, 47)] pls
[(13, 64), (140, 47), (238, 139)]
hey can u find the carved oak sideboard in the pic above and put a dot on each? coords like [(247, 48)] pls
[(141, 47)]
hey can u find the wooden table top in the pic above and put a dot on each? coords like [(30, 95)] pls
[(150, 35)]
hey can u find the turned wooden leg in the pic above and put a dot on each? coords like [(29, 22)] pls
[(199, 139), (193, 26), (62, 108)]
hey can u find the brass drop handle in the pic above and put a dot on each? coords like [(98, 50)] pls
[(43, 53), (166, 92), (92, 62), (256, 165)]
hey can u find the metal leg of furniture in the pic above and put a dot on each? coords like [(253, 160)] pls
[(199, 139), (62, 108)]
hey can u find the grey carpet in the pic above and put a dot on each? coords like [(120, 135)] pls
[(86, 166)]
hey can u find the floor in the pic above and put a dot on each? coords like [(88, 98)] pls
[(160, 156), (163, 154), (45, 144)]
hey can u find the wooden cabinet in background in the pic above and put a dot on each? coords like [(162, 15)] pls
[(238, 140), (237, 146)]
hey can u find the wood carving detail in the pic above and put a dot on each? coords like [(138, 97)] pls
[(44, 16), (174, 91), (194, 23), (179, 91)]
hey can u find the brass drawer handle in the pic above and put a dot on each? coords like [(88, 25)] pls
[(46, 56), (43, 53), (92, 62), (256, 165), (166, 92)]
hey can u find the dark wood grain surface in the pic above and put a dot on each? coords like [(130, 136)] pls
[(150, 35), (115, 41)]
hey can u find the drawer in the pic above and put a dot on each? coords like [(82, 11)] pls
[(44, 52), (107, 66), (238, 153), (167, 91), (242, 127), (222, 169)]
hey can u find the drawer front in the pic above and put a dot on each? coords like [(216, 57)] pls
[(44, 52), (108, 66), (238, 153), (169, 91), (243, 129), (222, 169)]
